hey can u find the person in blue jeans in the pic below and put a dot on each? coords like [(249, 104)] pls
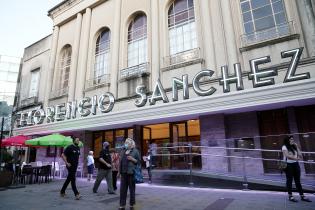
[(292, 155), (71, 158)]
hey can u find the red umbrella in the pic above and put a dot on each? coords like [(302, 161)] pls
[(15, 141)]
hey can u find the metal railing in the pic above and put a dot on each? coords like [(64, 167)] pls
[(182, 57), (134, 71), (97, 81), (227, 158), (59, 92), (271, 33)]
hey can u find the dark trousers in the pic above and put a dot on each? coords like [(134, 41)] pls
[(70, 178), (150, 173), (293, 171), (114, 175), (127, 181)]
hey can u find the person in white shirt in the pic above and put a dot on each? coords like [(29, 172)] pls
[(90, 165), (292, 155)]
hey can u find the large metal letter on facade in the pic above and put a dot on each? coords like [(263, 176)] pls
[(236, 78), (257, 74), (183, 83), (141, 91), (106, 106), (296, 56), (158, 94), (196, 83)]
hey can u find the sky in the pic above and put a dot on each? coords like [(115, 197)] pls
[(23, 22)]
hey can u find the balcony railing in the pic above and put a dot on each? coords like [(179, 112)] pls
[(97, 81), (182, 57), (134, 71), (29, 101), (268, 34), (59, 92)]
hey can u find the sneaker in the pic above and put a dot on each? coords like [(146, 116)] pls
[(62, 195), (292, 199), (303, 198), (78, 197), (94, 191)]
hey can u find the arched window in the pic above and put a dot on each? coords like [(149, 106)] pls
[(137, 41), (65, 63), (182, 26), (101, 64)]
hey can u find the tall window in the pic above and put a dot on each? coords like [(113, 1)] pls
[(65, 63), (34, 83), (182, 26), (260, 15), (101, 65), (137, 41)]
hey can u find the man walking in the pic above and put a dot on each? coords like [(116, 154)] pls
[(105, 169), (71, 158)]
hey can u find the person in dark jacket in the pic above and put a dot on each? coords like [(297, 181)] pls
[(105, 170), (129, 158), (71, 159)]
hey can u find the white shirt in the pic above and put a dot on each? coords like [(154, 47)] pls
[(295, 154), (90, 160)]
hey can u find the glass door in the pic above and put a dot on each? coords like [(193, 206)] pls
[(179, 133)]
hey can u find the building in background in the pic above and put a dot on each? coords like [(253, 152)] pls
[(9, 70), (231, 77)]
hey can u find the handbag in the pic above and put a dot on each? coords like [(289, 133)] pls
[(282, 165), (137, 173)]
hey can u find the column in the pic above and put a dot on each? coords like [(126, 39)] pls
[(115, 50), (308, 24), (208, 39), (155, 43), (74, 58), (229, 33), (52, 61), (83, 67), (212, 134)]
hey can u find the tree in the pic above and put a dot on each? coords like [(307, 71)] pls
[(5, 110)]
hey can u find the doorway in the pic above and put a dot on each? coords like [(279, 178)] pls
[(272, 124)]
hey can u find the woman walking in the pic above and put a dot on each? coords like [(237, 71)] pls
[(292, 154), (129, 158)]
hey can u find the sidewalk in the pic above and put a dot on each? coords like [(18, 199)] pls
[(149, 197)]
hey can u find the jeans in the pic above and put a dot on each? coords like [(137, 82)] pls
[(107, 173), (70, 178), (127, 181), (293, 171)]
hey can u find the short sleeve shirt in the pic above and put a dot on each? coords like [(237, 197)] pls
[(72, 152), (107, 157), (284, 148)]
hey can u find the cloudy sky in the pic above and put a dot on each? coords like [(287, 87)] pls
[(23, 22)]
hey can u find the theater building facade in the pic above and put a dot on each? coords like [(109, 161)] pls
[(223, 75)]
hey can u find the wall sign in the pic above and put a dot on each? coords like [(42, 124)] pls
[(105, 103)]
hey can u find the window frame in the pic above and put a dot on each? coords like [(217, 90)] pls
[(137, 46)]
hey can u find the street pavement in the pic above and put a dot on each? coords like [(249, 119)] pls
[(46, 196)]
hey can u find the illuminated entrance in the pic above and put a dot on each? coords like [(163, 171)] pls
[(171, 138)]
